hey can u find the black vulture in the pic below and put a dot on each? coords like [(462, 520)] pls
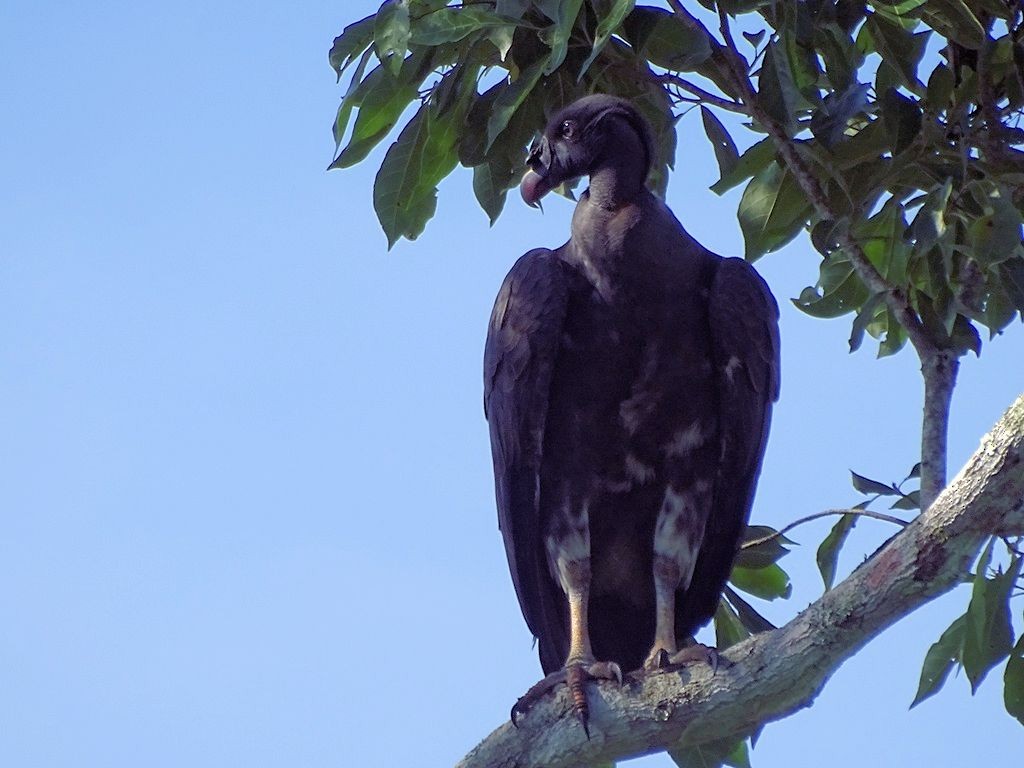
[(629, 377)]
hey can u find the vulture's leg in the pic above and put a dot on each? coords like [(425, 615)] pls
[(571, 555), (677, 537)]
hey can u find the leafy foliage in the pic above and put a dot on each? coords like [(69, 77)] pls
[(982, 637)]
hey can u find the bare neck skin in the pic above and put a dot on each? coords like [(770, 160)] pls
[(619, 176)]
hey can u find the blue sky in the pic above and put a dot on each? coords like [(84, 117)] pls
[(246, 511)]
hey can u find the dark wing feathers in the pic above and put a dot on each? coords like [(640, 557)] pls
[(522, 343), (744, 324)]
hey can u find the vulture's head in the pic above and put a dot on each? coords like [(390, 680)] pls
[(591, 134)]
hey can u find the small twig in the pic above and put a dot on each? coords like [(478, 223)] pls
[(700, 93), (826, 513)]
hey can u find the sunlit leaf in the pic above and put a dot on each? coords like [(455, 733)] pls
[(767, 583), (730, 751)]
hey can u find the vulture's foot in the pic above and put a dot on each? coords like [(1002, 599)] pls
[(694, 653), (575, 675)]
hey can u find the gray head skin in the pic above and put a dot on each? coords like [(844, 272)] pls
[(600, 136)]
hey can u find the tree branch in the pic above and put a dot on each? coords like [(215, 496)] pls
[(773, 674), (705, 96)]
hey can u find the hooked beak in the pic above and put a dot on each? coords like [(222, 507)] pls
[(536, 181)]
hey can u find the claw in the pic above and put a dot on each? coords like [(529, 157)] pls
[(574, 675)]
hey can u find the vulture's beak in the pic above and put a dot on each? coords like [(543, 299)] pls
[(536, 181)]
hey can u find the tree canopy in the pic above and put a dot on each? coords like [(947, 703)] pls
[(888, 132)]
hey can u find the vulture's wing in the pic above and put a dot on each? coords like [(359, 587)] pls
[(522, 343), (744, 321)]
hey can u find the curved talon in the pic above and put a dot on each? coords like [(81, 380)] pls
[(575, 675)]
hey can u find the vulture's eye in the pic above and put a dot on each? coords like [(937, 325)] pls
[(568, 129)]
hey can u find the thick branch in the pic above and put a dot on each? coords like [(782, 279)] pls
[(773, 674)]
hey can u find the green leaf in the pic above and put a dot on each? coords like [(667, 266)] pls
[(940, 88), (563, 13), (988, 636), (866, 485), (830, 120), (995, 236), (752, 620), (449, 25), (955, 21), (839, 289), (1013, 682), (899, 47), (940, 659), (405, 190), (910, 500), (767, 583), (352, 41), (828, 550), (510, 98), (665, 40), (895, 336), (777, 92), (491, 185), (381, 99), (753, 160), (348, 102), (729, 630), (729, 751), (881, 237), (725, 148), (866, 315), (772, 211), (610, 21), (512, 8), (764, 552), (902, 119), (391, 33)]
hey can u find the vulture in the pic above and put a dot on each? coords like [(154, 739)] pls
[(629, 377)]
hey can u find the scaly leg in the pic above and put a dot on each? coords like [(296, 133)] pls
[(580, 665), (666, 651)]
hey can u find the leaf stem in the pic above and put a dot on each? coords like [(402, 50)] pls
[(827, 513)]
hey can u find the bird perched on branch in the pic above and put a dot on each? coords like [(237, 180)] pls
[(629, 377)]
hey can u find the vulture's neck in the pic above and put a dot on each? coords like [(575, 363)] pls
[(617, 182)]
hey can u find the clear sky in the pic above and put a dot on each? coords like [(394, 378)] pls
[(246, 510)]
